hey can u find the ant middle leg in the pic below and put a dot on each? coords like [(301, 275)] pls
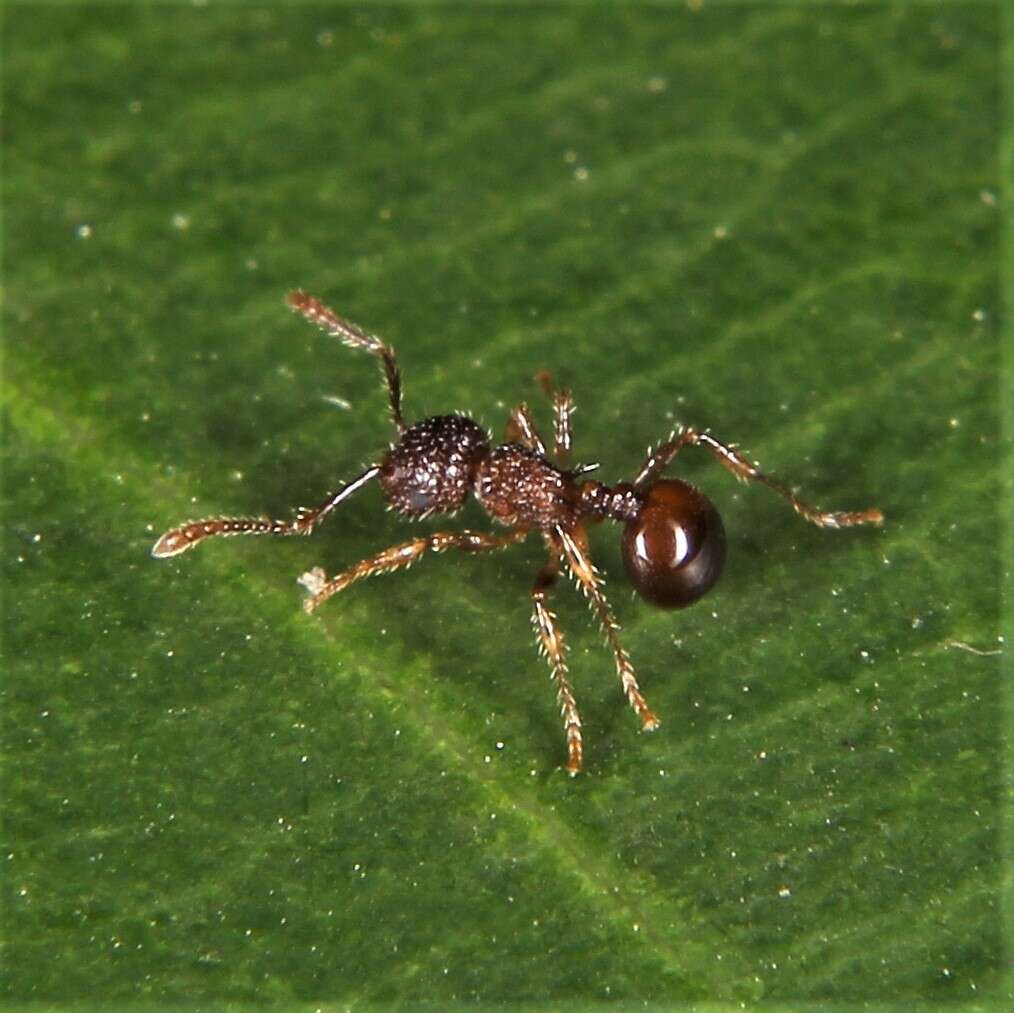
[(573, 546), (563, 408), (398, 557), (730, 458), (355, 337), (551, 643), (187, 535)]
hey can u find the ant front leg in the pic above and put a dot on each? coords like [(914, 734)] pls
[(573, 546), (729, 457), (186, 536), (398, 557), (521, 428), (551, 643)]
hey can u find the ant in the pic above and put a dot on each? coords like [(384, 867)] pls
[(673, 543)]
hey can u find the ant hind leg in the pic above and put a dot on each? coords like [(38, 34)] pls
[(731, 459), (574, 548)]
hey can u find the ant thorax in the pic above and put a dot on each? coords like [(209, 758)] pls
[(520, 488)]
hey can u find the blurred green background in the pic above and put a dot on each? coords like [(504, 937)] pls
[(777, 221)]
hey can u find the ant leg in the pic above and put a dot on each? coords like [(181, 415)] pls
[(398, 557), (521, 429), (551, 643), (186, 536), (729, 457), (355, 337), (563, 408), (574, 546)]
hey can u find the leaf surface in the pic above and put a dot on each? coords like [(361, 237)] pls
[(779, 222)]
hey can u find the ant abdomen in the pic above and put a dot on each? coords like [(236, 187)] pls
[(674, 547), (431, 469)]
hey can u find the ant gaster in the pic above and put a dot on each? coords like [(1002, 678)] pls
[(673, 543)]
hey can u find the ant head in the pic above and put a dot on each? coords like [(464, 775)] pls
[(674, 547)]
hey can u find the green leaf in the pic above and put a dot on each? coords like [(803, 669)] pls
[(779, 222)]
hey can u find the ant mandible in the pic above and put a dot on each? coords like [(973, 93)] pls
[(673, 542)]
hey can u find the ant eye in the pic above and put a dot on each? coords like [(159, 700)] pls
[(674, 549)]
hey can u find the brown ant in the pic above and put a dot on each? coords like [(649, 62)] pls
[(673, 543)]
